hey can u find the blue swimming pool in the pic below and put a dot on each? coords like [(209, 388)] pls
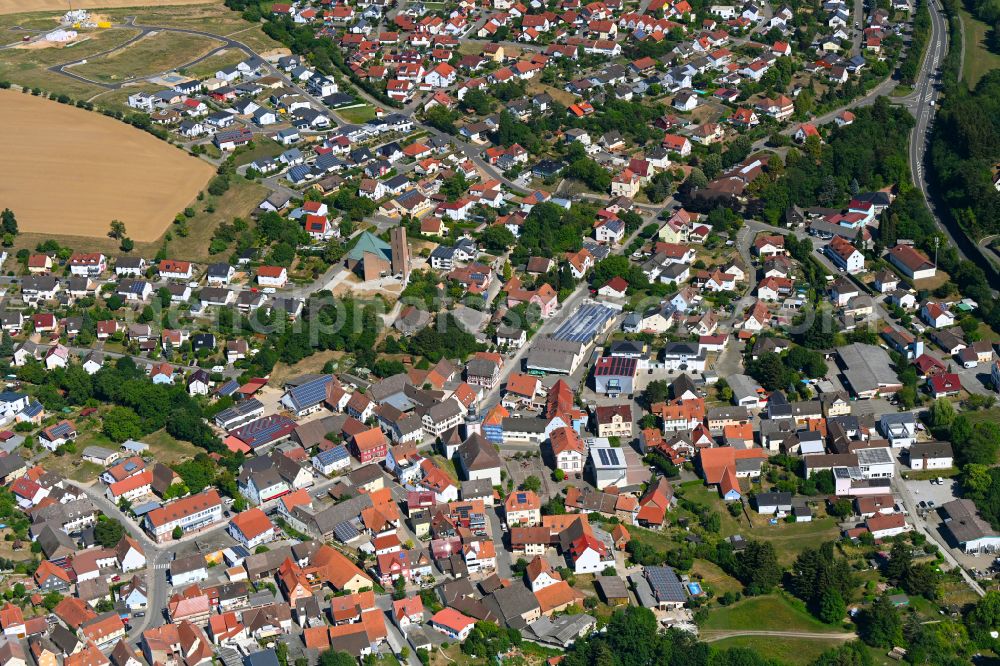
[(694, 589)]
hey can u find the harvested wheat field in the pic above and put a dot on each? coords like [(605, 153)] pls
[(68, 171), (23, 6)]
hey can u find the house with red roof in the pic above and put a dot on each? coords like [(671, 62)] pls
[(441, 76), (252, 528), (928, 366), (272, 276), (588, 554), (616, 287), (653, 506), (944, 384), (723, 467), (453, 624), (170, 269), (804, 131)]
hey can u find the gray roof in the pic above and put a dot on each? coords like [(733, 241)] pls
[(262, 658), (874, 456), (774, 499), (477, 488), (867, 367), (930, 450), (720, 413), (529, 425), (561, 630), (476, 453), (98, 452), (611, 587), (964, 521), (327, 519), (743, 386), (510, 603), (187, 564), (11, 463), (53, 540)]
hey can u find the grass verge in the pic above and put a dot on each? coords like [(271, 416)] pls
[(977, 59)]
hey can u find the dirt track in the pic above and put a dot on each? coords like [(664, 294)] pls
[(70, 171), (23, 6)]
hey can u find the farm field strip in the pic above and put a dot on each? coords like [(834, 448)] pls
[(74, 182)]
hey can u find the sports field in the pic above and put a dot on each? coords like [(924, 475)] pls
[(70, 172), (20, 6)]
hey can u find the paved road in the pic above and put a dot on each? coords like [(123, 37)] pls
[(919, 104), (143, 32), (156, 577), (712, 636), (859, 20), (475, 153), (227, 43)]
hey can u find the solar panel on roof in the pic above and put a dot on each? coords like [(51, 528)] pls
[(129, 466), (310, 393), (229, 387), (585, 323), (666, 584), (345, 532), (522, 498)]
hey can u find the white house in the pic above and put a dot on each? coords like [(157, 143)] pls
[(252, 528), (899, 428), (845, 255), (931, 455), (272, 276), (937, 315)]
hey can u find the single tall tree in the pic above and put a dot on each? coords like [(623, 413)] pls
[(117, 229)]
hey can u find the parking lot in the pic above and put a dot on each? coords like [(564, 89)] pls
[(927, 491), (930, 497)]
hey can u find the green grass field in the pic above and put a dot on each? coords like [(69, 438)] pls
[(357, 115), (261, 148), (789, 539), (978, 59), (168, 450), (792, 651), (992, 414), (153, 54), (771, 612)]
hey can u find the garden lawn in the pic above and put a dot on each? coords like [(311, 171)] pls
[(992, 414), (792, 651), (715, 578), (357, 114), (790, 539), (771, 612)]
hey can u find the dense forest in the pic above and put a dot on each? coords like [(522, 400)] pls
[(964, 152)]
